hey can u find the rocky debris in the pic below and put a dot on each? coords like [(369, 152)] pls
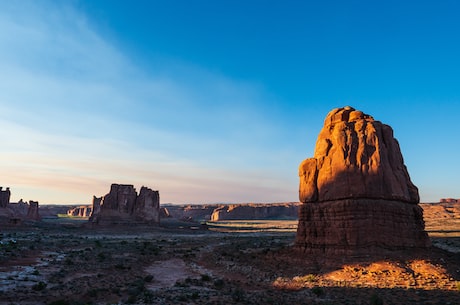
[(80, 211), (356, 192), (122, 205), (256, 211)]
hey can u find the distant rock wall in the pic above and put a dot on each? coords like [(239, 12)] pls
[(256, 211), (201, 212), (449, 200), (80, 211), (122, 205)]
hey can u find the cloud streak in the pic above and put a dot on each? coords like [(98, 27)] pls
[(76, 115)]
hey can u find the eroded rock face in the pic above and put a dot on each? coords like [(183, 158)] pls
[(356, 190), (122, 205), (4, 197), (32, 211), (147, 206), (355, 157), (256, 211), (81, 211)]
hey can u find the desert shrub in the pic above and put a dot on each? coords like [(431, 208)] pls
[(39, 286), (205, 278), (59, 302), (148, 278), (238, 295), (148, 297), (68, 261), (101, 256), (219, 284), (318, 291), (195, 295), (376, 300)]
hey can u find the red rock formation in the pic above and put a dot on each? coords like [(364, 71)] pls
[(32, 211), (4, 197), (356, 190), (256, 211), (122, 205), (80, 211), (147, 207)]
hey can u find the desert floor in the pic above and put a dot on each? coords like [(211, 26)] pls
[(239, 262)]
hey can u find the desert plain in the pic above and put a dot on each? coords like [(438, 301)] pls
[(62, 261)]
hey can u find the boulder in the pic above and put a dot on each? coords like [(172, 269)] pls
[(356, 191)]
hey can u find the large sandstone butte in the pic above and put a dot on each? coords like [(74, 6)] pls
[(122, 205), (356, 192)]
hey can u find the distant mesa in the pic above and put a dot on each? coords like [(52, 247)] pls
[(449, 200), (122, 205), (12, 213), (254, 211), (356, 191)]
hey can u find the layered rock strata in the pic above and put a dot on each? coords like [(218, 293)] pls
[(356, 191), (122, 205), (256, 211)]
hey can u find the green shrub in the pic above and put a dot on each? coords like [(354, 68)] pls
[(318, 291), (376, 300), (219, 284), (39, 286)]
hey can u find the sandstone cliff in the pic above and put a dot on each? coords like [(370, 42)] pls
[(256, 211), (356, 190), (122, 205)]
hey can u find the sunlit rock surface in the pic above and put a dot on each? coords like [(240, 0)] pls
[(356, 191)]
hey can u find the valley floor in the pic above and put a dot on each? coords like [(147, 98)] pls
[(182, 263)]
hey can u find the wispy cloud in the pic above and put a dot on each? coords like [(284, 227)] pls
[(76, 115)]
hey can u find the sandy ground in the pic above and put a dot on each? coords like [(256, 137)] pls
[(181, 263)]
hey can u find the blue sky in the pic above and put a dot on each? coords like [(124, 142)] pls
[(217, 101)]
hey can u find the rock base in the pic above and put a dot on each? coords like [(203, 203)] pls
[(360, 226)]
